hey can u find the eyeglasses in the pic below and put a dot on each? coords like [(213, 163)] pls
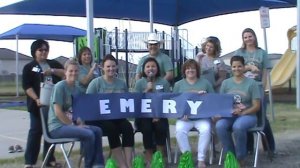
[(43, 49)]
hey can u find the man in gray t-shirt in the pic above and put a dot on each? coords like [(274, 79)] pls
[(164, 61)]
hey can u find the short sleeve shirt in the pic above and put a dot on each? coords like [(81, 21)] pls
[(243, 92), (164, 62), (99, 85), (259, 58), (201, 84), (83, 71), (161, 85), (61, 95)]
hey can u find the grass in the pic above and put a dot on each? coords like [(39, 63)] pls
[(287, 117)]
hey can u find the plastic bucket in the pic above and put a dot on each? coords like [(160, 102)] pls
[(45, 93)]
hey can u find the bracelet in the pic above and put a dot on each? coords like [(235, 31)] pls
[(52, 71)]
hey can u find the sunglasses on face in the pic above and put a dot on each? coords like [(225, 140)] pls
[(43, 49)]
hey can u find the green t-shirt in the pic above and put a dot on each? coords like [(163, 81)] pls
[(61, 95), (200, 84), (259, 58), (99, 85), (161, 85), (83, 71), (243, 92), (164, 62)]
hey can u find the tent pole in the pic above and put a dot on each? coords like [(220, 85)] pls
[(151, 15), (297, 58), (17, 66), (90, 24)]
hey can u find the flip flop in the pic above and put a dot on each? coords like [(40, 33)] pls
[(18, 148), (11, 149)]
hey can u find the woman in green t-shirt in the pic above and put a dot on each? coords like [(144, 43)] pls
[(152, 81)]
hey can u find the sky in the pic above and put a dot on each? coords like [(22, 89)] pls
[(227, 28)]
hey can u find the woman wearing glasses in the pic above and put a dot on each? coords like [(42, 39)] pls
[(40, 69)]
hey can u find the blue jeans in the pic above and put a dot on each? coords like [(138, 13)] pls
[(239, 127), (34, 141), (91, 139)]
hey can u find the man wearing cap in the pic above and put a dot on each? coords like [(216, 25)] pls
[(164, 61)]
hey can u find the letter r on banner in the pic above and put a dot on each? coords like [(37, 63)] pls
[(169, 106), (103, 106)]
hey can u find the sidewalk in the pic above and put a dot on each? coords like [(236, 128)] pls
[(14, 129)]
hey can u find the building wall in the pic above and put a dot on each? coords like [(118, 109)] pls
[(8, 67)]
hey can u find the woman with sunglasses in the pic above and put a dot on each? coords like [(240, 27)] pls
[(213, 67), (40, 69)]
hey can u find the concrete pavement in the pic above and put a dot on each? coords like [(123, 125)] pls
[(14, 127)]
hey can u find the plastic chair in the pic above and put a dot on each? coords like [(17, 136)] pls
[(55, 141), (168, 141), (211, 148), (258, 131)]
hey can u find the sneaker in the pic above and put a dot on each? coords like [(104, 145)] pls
[(11, 149), (28, 166), (18, 148)]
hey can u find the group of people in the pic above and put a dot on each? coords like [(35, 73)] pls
[(206, 74)]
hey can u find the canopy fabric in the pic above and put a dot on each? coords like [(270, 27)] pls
[(168, 12), (41, 31)]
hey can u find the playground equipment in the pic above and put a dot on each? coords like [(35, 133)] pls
[(284, 69)]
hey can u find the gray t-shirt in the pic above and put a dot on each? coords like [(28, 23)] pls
[(61, 95), (210, 68), (259, 58), (99, 85), (161, 85), (243, 92), (201, 84), (164, 62)]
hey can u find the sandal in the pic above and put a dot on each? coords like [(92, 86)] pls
[(11, 149), (54, 165), (18, 148)]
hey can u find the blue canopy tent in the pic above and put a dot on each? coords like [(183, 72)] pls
[(39, 31), (168, 12)]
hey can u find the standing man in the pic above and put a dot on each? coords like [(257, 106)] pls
[(164, 61)]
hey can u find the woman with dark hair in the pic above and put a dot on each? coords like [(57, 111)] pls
[(192, 82), (213, 67), (247, 97), (87, 69), (256, 64), (152, 81), (40, 69), (109, 83)]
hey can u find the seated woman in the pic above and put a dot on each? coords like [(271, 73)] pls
[(247, 102), (87, 69), (192, 82), (108, 83), (152, 81), (60, 119)]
